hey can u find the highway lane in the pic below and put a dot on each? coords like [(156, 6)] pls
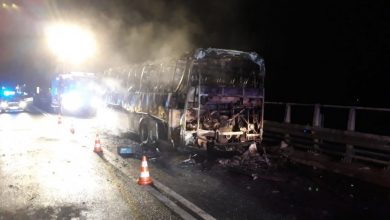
[(48, 173)]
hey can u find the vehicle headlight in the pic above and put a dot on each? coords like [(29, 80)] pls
[(22, 104), (72, 101), (4, 104)]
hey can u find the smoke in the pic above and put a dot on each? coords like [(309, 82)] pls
[(126, 32), (146, 41), (155, 40), (137, 31)]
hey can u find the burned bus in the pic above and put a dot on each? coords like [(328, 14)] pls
[(212, 98)]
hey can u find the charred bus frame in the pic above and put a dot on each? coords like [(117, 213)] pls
[(210, 98)]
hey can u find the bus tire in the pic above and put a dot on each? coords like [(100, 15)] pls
[(144, 134)]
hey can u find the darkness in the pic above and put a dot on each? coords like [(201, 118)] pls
[(315, 52)]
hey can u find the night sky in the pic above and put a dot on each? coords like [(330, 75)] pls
[(315, 52)]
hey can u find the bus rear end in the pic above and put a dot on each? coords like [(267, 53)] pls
[(224, 106)]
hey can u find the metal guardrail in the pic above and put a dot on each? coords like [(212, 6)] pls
[(348, 145), (330, 106)]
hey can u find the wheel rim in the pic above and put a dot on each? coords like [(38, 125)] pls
[(144, 134)]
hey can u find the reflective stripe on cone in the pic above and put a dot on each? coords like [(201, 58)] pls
[(144, 178)]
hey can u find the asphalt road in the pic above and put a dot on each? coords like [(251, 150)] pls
[(48, 173)]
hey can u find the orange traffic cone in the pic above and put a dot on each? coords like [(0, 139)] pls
[(144, 178), (59, 119), (98, 147)]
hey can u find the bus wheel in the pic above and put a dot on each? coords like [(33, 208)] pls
[(144, 134)]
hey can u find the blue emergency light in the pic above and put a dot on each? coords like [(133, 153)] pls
[(8, 93)]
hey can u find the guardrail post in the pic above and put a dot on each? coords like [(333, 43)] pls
[(350, 127), (287, 119), (287, 115), (317, 122)]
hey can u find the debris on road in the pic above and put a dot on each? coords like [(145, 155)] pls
[(151, 151), (250, 160), (189, 161), (125, 151), (251, 163), (255, 175)]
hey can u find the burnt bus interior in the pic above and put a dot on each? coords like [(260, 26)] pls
[(195, 101), (225, 102)]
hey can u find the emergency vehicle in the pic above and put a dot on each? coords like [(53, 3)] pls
[(13, 99), (75, 93)]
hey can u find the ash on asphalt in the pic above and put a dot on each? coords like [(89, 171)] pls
[(282, 191)]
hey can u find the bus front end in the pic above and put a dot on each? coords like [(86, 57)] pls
[(79, 102)]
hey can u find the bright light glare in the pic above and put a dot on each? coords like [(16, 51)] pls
[(72, 101), (70, 43), (4, 104), (8, 93), (111, 83), (22, 104), (96, 102)]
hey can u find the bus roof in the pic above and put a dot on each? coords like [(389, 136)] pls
[(202, 53), (77, 74)]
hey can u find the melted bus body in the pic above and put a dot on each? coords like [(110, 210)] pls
[(212, 98)]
